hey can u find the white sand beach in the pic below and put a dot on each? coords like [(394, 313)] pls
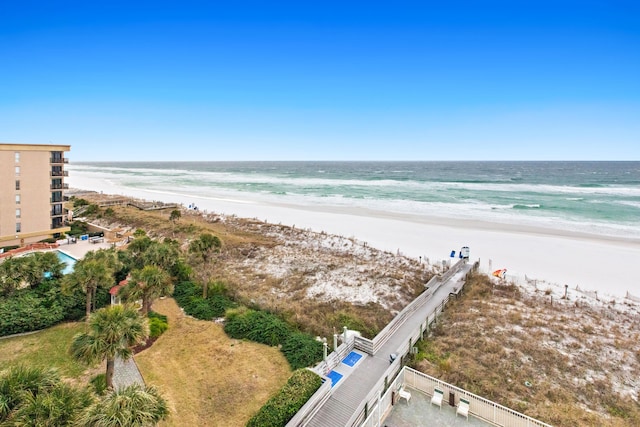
[(610, 266)]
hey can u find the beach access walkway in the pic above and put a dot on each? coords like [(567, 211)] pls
[(355, 389)]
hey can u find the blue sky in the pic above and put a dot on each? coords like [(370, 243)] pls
[(455, 80)]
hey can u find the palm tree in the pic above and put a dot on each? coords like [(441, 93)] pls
[(10, 275), (97, 269), (39, 263), (175, 215), (89, 275), (205, 245), (113, 331), (132, 406), (61, 406), (164, 255), (202, 248), (148, 284), (21, 381)]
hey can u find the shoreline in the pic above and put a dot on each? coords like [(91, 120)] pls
[(606, 264)]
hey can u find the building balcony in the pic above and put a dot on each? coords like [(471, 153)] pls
[(56, 200), (59, 160), (59, 187), (59, 173), (57, 211)]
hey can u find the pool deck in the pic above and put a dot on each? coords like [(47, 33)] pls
[(79, 249)]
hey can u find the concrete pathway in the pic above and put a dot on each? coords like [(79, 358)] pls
[(126, 373)]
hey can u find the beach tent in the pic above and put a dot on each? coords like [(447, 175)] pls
[(500, 273)]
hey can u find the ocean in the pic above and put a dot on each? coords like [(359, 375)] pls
[(601, 198)]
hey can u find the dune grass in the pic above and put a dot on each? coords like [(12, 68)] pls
[(563, 364), (208, 378), (47, 348)]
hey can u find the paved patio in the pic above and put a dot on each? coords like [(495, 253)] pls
[(420, 412), (79, 249)]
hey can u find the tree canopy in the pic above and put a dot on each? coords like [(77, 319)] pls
[(112, 331)]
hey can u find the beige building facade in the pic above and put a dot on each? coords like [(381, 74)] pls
[(31, 192)]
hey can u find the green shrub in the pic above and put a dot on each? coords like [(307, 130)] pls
[(99, 383), (302, 350), (153, 315), (219, 304), (78, 228), (258, 326), (79, 202), (25, 312), (188, 296), (157, 327), (183, 291), (45, 305), (92, 209), (283, 406), (199, 308)]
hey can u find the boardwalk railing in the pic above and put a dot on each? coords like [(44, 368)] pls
[(371, 347), (335, 357), (370, 403), (312, 406), (479, 406)]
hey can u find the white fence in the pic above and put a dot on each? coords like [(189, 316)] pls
[(479, 406)]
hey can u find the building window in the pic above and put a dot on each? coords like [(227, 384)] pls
[(17, 199), (17, 170), (17, 184), (17, 157), (18, 212), (18, 227)]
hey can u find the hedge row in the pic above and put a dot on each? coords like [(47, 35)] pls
[(300, 350), (33, 309), (188, 295), (283, 406)]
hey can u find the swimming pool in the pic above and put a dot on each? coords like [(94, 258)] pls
[(68, 260)]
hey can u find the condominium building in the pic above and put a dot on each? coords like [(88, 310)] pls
[(31, 187)]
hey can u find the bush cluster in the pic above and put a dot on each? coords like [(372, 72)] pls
[(78, 228), (283, 406), (157, 324), (189, 297), (300, 350), (29, 310)]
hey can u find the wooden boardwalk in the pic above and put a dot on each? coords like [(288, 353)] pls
[(350, 391)]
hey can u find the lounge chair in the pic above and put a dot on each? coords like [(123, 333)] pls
[(437, 397), (463, 408), (404, 395)]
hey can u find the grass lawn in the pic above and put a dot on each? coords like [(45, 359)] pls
[(208, 378), (47, 348)]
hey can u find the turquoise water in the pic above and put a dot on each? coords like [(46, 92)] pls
[(68, 260), (596, 197)]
